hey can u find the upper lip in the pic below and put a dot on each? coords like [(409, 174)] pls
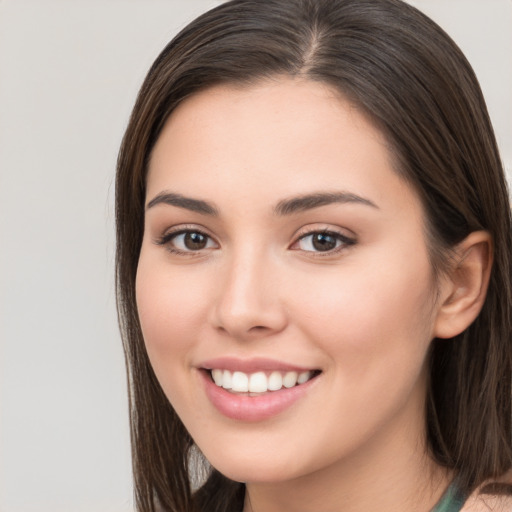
[(252, 365)]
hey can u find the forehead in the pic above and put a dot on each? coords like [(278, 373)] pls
[(272, 139)]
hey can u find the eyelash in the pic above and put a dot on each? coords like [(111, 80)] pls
[(167, 238), (343, 240)]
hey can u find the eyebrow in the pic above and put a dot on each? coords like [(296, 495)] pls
[(284, 207), (194, 205), (317, 199)]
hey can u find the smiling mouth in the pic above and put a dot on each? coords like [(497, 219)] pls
[(259, 382)]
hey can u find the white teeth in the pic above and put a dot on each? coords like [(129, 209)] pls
[(290, 379), (226, 379), (275, 381), (240, 382), (303, 377), (217, 377), (259, 382)]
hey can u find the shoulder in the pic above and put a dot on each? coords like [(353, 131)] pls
[(494, 496), (488, 503)]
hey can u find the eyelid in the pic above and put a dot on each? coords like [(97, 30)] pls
[(322, 227), (339, 233), (181, 229)]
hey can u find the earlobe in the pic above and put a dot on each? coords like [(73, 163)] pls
[(465, 287)]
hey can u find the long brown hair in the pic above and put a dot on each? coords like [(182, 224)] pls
[(403, 71)]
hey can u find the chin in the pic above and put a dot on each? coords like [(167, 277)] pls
[(253, 470), (255, 475)]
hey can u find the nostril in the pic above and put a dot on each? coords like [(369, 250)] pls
[(259, 330)]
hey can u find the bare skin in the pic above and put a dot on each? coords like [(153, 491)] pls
[(481, 502), (236, 266)]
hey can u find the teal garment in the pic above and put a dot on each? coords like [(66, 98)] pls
[(451, 501)]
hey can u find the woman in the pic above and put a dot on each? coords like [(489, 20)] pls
[(313, 266)]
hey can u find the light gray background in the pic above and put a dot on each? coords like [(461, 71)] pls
[(69, 72)]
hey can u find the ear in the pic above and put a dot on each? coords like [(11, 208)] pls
[(464, 288)]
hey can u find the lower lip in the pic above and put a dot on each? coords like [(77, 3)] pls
[(253, 408)]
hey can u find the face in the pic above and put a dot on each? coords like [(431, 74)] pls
[(284, 287)]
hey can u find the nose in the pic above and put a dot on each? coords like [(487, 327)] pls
[(249, 303)]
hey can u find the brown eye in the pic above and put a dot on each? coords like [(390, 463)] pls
[(323, 241), (187, 241), (194, 241)]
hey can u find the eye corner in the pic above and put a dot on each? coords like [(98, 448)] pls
[(189, 241)]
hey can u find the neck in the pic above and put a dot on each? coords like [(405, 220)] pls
[(391, 472), (387, 492)]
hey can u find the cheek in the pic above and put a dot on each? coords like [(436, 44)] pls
[(375, 328), (367, 314), (170, 307)]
